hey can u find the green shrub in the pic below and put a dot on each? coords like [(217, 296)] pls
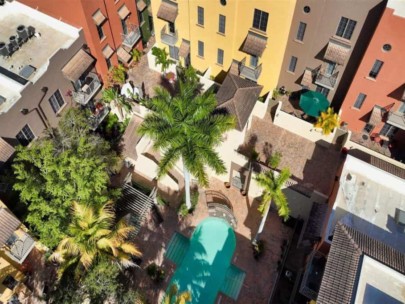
[(194, 195), (275, 159), (156, 273)]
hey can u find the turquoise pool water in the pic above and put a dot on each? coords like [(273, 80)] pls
[(207, 260)]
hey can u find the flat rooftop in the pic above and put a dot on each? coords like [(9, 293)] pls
[(379, 283), (50, 36), (367, 201)]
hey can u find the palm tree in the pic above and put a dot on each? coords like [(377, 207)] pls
[(162, 57), (271, 182), (185, 127), (111, 95), (174, 297), (327, 121), (94, 233)]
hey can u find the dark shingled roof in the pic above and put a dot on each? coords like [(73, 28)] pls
[(238, 96), (344, 262), (8, 224)]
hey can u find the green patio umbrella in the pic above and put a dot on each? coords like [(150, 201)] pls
[(313, 103)]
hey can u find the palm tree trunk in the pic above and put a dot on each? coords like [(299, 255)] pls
[(187, 186), (264, 218)]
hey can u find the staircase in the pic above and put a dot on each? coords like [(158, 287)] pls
[(177, 248), (233, 282)]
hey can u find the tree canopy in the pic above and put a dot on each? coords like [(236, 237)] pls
[(71, 164)]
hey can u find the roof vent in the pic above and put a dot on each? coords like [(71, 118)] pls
[(4, 51), (22, 33), (2, 99), (400, 219)]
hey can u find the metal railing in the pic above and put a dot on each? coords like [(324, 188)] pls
[(132, 36), (168, 37), (21, 247), (396, 119), (96, 119), (324, 79), (249, 72), (88, 90)]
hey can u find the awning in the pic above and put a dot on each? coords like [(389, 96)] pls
[(403, 96), (8, 224), (98, 17), (337, 51), (184, 48), (306, 78), (79, 64), (141, 5), (167, 11), (123, 55), (123, 12), (376, 116), (6, 151), (107, 51), (254, 44)]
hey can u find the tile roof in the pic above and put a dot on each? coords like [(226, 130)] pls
[(6, 151), (344, 260), (238, 96), (8, 224)]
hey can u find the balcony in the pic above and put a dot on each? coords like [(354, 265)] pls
[(19, 246), (167, 37), (397, 119), (246, 71), (98, 116), (90, 87), (326, 80), (132, 36)]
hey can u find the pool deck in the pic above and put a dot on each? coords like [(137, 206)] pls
[(260, 275)]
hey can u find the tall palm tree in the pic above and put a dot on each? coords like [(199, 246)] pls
[(174, 297), (185, 127), (327, 121), (111, 95), (93, 233), (272, 184)]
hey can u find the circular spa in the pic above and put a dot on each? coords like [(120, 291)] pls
[(204, 261)]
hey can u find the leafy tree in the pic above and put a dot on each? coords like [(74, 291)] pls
[(327, 121), (53, 172), (92, 234), (176, 297), (162, 58), (186, 127), (272, 184)]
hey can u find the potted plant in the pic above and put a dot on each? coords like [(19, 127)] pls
[(227, 185), (243, 192), (170, 77)]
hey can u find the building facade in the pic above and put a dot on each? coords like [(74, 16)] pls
[(375, 103), (112, 29), (325, 45), (247, 38)]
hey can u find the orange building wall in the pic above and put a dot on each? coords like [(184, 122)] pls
[(79, 14), (391, 30)]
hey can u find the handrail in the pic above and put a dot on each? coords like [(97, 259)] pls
[(216, 194)]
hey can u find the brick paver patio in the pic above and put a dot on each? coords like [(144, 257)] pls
[(260, 275)]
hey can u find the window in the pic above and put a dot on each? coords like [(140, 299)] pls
[(293, 64), (10, 282), (100, 31), (25, 136), (108, 61), (368, 128), (200, 12), (307, 9), (56, 101), (260, 19), (222, 22), (220, 57), (359, 101), (329, 68), (200, 48), (375, 69), (346, 28), (402, 108), (172, 29), (301, 31), (174, 52), (322, 90), (254, 60), (388, 130), (124, 26)]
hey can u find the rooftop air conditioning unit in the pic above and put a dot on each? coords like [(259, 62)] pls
[(22, 33), (4, 51)]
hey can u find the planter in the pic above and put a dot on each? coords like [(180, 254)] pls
[(227, 185), (243, 192), (170, 77)]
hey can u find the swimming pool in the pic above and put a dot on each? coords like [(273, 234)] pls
[(206, 265)]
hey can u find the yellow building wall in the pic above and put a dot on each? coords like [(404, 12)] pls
[(239, 20)]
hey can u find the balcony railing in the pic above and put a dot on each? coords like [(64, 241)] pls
[(397, 119), (249, 72), (96, 119), (325, 80), (168, 37), (21, 246), (132, 36), (88, 90)]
